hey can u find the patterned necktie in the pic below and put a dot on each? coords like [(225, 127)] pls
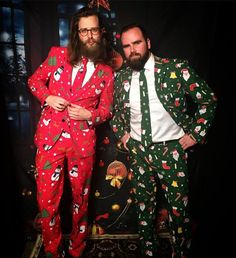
[(146, 135), (79, 78)]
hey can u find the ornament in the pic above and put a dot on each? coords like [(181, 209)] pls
[(130, 175), (116, 172), (97, 230), (106, 140), (117, 168), (97, 194), (101, 163), (115, 207), (116, 60), (102, 216), (115, 180), (129, 201), (96, 3)]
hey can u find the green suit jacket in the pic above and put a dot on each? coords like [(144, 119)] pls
[(174, 80)]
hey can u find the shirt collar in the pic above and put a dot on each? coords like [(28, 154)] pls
[(86, 62), (149, 65), (90, 63)]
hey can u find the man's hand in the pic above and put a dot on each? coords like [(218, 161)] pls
[(77, 112), (124, 140), (57, 103), (187, 141)]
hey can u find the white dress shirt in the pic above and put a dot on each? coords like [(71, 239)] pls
[(89, 71), (164, 127)]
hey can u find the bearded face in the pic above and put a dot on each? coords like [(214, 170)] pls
[(136, 61), (136, 48), (90, 37), (90, 48)]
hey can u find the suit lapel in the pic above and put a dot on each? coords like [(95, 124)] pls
[(77, 84), (165, 96), (126, 84), (96, 75)]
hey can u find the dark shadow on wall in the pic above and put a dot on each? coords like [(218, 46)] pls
[(13, 238)]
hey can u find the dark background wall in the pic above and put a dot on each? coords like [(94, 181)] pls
[(201, 32)]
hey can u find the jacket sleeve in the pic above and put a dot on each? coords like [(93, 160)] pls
[(118, 122), (37, 82), (205, 99)]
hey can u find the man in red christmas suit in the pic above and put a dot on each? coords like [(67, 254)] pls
[(75, 88)]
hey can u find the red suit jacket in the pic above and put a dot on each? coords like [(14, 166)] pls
[(53, 77)]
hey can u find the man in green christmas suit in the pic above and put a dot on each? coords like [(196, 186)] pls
[(152, 121)]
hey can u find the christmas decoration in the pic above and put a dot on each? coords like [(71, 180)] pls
[(111, 208), (116, 60), (97, 3), (116, 171)]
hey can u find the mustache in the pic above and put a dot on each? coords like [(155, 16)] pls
[(91, 40), (134, 54)]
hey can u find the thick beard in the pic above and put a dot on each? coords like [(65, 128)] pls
[(92, 53), (138, 64)]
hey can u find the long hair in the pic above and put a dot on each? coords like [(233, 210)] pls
[(74, 55)]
